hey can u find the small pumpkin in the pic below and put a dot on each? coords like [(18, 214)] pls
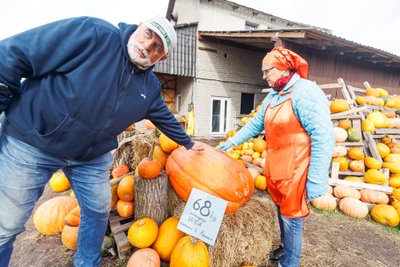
[(385, 214), (345, 124), (339, 105), (343, 163), (144, 257), (394, 180), (368, 126), (373, 176), (149, 168), (59, 182), (125, 208), (260, 183), (259, 145), (168, 237), (167, 144), (372, 196), (324, 202), (356, 153), (69, 237), (379, 119), (396, 206), (160, 155), (343, 191), (339, 151), (73, 218), (357, 165), (125, 188), (189, 252), (372, 163), (119, 171), (394, 167), (353, 207), (107, 246), (353, 135), (143, 232), (49, 216), (383, 150), (340, 134), (354, 179), (392, 157)]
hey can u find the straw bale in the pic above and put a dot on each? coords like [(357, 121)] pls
[(132, 152), (245, 237)]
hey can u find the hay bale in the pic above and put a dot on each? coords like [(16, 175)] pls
[(245, 237), (133, 147)]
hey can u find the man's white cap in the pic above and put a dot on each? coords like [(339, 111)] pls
[(163, 28)]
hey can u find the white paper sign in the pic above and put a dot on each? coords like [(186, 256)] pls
[(202, 216)]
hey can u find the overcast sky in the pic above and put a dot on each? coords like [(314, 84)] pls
[(370, 22)]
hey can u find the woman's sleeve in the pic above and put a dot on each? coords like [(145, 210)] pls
[(312, 109)]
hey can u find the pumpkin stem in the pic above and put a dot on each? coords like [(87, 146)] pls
[(193, 240)]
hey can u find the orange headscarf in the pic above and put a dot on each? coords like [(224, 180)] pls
[(285, 59)]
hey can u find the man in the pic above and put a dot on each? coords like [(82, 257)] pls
[(69, 88)]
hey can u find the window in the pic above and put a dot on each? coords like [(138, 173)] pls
[(246, 103), (250, 26), (220, 110)]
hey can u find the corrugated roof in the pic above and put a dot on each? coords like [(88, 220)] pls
[(310, 37)]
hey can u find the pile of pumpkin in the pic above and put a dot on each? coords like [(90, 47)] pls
[(355, 203), (378, 97), (165, 243), (248, 117)]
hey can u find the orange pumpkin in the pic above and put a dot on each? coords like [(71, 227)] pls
[(59, 182), (260, 183), (149, 168), (69, 237), (167, 144), (119, 171), (353, 207), (125, 208), (259, 145), (125, 188), (211, 171), (345, 124), (342, 191), (356, 153), (343, 163), (49, 216), (168, 236), (144, 257), (385, 214), (160, 155), (372, 196), (339, 105), (188, 252), (357, 165), (324, 202), (143, 232), (383, 150), (73, 218)]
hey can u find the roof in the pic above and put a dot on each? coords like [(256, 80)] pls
[(309, 37)]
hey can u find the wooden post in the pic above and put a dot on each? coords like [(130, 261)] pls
[(151, 198)]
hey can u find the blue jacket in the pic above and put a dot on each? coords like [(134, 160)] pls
[(79, 88), (312, 109)]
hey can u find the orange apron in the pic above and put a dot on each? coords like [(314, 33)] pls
[(287, 159)]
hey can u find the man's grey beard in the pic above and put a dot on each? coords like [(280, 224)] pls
[(141, 63)]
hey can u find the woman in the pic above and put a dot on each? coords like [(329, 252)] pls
[(300, 141)]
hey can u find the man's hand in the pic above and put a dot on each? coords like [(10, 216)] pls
[(197, 146), (225, 146)]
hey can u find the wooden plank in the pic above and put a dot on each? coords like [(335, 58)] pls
[(350, 111), (372, 146), (360, 143), (357, 185), (351, 173), (118, 227), (389, 131), (349, 117), (330, 86)]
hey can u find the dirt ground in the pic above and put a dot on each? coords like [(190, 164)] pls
[(330, 239)]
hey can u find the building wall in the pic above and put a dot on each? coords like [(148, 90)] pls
[(225, 72), (328, 66)]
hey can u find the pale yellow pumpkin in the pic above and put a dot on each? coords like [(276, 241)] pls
[(373, 196), (168, 237), (353, 207), (324, 202), (373, 176), (372, 163)]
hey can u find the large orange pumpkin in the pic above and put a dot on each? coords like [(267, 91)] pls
[(211, 171), (49, 216)]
